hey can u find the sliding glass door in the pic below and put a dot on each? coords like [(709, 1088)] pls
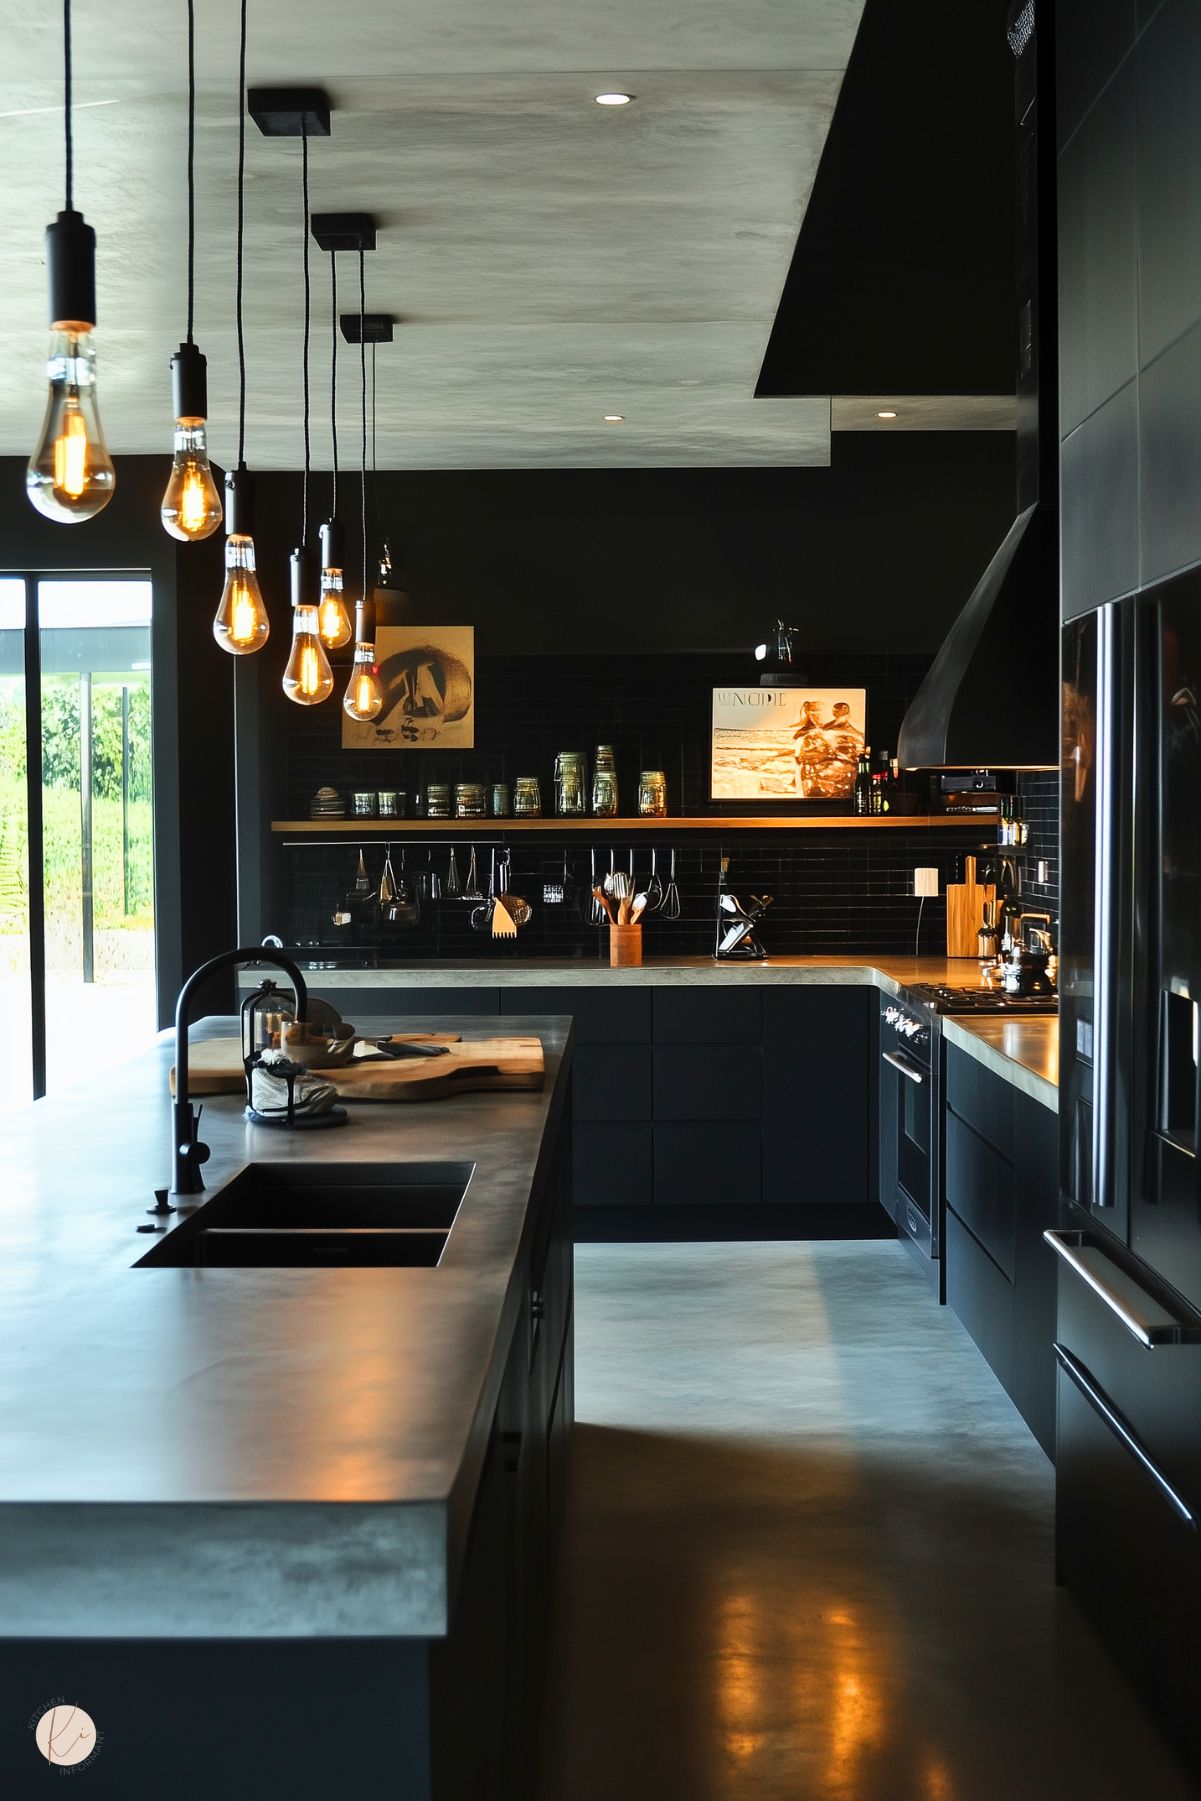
[(76, 855)]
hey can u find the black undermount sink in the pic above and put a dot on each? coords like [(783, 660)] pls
[(320, 1216)]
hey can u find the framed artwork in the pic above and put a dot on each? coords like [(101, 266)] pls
[(786, 744), (427, 673)]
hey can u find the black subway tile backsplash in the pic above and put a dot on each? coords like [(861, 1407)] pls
[(835, 892)]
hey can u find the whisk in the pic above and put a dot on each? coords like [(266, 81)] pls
[(671, 908), (472, 891), (452, 884), (654, 888), (597, 912)]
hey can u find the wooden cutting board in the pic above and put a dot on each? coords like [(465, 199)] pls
[(215, 1067), (965, 911)]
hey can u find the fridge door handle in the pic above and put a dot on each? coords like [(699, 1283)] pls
[(1106, 940), (1104, 1408), (1150, 1323)]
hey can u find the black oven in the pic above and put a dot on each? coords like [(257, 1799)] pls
[(909, 1123)]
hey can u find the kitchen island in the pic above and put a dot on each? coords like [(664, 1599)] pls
[(223, 1489)]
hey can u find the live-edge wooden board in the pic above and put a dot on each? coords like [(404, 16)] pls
[(215, 1067)]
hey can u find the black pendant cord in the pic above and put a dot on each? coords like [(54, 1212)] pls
[(363, 389), (333, 373), (241, 225), (304, 189), (67, 105), (374, 466), (191, 167)]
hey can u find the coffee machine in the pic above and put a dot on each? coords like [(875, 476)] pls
[(737, 939)]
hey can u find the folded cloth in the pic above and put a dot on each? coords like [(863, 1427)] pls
[(269, 1089)]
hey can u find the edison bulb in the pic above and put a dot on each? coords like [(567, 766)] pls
[(241, 625), (364, 698), (191, 506), (333, 621), (308, 678), (70, 475)]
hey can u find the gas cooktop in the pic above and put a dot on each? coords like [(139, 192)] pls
[(940, 998)]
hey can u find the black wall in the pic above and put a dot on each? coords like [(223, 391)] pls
[(879, 550), (195, 888), (1130, 294)]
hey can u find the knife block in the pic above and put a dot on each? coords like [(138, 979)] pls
[(965, 911)]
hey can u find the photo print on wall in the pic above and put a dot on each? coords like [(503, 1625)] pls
[(427, 673), (786, 744)]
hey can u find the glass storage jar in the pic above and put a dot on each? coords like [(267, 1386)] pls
[(437, 800), (652, 794), (571, 783), (527, 797), (604, 783), (470, 800)]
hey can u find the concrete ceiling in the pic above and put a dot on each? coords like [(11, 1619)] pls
[(550, 260)]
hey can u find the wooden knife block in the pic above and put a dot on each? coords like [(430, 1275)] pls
[(965, 911)]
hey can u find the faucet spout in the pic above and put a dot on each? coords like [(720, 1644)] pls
[(187, 1151)]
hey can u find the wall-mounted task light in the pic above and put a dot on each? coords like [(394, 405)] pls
[(70, 475), (241, 626), (191, 506)]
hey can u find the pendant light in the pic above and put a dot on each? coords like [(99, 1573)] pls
[(333, 621), (191, 507), (241, 626), (308, 678), (364, 697), (70, 475)]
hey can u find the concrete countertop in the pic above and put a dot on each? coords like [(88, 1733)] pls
[(246, 1453), (1024, 1051), (886, 972)]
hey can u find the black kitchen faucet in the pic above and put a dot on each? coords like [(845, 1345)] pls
[(187, 1151)]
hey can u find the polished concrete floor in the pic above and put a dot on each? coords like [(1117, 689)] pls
[(809, 1551)]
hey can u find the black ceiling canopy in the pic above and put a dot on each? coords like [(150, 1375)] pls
[(377, 328), (902, 277), (289, 112), (344, 231)]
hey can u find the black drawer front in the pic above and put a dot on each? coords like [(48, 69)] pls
[(980, 1187), (601, 1015), (707, 1165), (613, 1082), (702, 1081), (983, 1099), (980, 1298), (707, 1016), (613, 1165), (1130, 1561)]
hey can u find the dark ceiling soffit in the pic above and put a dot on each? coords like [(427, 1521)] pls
[(343, 231), (377, 328), (991, 698), (289, 112)]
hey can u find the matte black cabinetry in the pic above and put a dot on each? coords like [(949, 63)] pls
[(1130, 294), (719, 1110), (1000, 1178)]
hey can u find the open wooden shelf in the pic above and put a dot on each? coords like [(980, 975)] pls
[(604, 828)]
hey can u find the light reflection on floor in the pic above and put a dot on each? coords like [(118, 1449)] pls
[(808, 1552)]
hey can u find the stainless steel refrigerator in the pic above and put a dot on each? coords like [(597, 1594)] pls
[(1128, 1344)]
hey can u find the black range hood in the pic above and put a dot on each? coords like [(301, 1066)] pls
[(991, 698)]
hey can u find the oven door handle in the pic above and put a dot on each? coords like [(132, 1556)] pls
[(910, 1070)]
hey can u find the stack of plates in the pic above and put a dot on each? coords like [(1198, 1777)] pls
[(327, 803)]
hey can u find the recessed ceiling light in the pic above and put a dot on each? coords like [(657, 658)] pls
[(614, 99), (886, 414), (614, 418)]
